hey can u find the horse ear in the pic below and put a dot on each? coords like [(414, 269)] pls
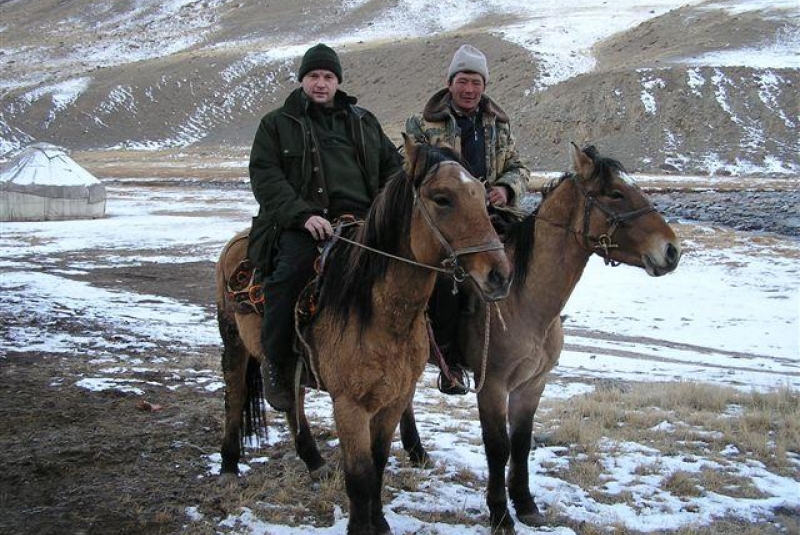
[(410, 148), (582, 164)]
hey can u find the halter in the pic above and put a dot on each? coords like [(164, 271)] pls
[(602, 244), (449, 265)]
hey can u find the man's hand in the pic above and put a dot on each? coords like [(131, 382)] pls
[(319, 227), (498, 195)]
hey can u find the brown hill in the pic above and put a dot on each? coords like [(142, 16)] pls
[(642, 103)]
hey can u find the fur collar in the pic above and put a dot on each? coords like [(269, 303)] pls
[(438, 108)]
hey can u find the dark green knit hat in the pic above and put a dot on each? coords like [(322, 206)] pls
[(320, 57)]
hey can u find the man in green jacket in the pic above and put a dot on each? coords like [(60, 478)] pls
[(462, 116), (316, 158)]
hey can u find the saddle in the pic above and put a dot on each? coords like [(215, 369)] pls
[(244, 292)]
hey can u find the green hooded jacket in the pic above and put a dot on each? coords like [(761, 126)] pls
[(286, 171), (437, 125)]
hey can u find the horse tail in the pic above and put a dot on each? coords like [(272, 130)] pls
[(253, 411)]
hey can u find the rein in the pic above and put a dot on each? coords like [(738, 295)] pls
[(602, 244), (449, 265)]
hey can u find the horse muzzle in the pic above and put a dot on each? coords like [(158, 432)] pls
[(663, 262), (497, 286), (493, 279)]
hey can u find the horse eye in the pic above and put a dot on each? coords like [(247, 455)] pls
[(442, 200), (617, 194)]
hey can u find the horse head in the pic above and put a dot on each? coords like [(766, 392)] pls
[(619, 223), (454, 231)]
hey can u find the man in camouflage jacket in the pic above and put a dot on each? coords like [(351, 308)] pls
[(464, 118), (479, 123)]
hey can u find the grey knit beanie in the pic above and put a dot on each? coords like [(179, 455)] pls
[(320, 57), (468, 58)]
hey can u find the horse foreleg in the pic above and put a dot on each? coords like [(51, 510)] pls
[(492, 410), (353, 427), (409, 435), (304, 443), (522, 408), (384, 425)]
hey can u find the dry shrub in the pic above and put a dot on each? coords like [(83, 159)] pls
[(734, 527), (682, 484), (684, 397), (584, 471), (729, 484), (766, 428)]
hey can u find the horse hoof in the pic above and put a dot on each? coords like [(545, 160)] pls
[(502, 524), (382, 527), (228, 477), (528, 513), (421, 460), (322, 473), (532, 519)]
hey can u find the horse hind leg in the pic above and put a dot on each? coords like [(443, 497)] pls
[(409, 436), (304, 443), (242, 404)]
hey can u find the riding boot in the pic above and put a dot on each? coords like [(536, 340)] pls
[(277, 386), (457, 384), (444, 310)]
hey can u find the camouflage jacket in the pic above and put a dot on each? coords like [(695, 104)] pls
[(437, 125)]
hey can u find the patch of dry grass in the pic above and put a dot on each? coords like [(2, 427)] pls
[(694, 421), (729, 484)]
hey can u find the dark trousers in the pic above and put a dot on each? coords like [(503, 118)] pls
[(444, 311), (293, 268)]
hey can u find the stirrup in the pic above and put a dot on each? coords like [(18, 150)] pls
[(458, 386)]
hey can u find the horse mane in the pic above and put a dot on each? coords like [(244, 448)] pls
[(603, 166), (353, 271), (520, 234)]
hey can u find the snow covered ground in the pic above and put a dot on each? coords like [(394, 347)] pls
[(729, 315)]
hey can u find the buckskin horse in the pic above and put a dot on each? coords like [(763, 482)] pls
[(368, 343), (597, 209)]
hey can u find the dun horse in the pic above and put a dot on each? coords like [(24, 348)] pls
[(368, 343), (595, 210)]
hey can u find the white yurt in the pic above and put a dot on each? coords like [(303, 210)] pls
[(43, 183)]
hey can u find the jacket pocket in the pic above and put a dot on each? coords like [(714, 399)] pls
[(293, 167), (261, 243)]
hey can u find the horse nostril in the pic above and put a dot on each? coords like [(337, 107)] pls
[(671, 254), (496, 279)]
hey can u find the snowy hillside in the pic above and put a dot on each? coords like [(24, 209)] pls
[(693, 87)]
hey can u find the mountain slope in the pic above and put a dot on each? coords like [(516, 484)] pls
[(196, 76)]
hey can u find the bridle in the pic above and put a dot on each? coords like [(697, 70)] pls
[(450, 265), (603, 244)]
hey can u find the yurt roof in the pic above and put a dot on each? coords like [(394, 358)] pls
[(43, 164)]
